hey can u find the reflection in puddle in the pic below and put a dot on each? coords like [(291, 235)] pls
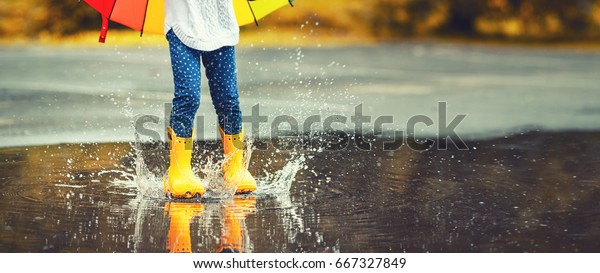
[(213, 225), (181, 216), (234, 231), (535, 192)]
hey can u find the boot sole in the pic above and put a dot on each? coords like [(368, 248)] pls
[(187, 195), (245, 190)]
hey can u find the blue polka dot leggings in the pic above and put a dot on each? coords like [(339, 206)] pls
[(221, 73)]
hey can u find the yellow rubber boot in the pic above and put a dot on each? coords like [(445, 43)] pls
[(234, 169), (181, 182), (233, 221), (181, 214)]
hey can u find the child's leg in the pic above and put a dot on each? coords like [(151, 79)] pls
[(222, 80), (180, 181), (185, 62)]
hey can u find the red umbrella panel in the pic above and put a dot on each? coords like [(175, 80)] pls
[(131, 13)]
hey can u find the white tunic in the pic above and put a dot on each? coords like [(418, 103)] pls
[(202, 24)]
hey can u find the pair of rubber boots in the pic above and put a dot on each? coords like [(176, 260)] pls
[(182, 183)]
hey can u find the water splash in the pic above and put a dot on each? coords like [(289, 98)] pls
[(149, 181), (280, 182), (214, 182)]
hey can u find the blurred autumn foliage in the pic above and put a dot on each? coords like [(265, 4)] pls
[(31, 18), (563, 20)]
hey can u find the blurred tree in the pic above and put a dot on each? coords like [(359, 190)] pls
[(31, 18), (596, 15), (393, 18), (70, 16), (537, 19), (463, 14)]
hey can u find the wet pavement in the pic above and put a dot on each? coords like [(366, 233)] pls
[(75, 176), (534, 192), (91, 95)]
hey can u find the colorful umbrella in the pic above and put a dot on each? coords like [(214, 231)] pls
[(148, 16)]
